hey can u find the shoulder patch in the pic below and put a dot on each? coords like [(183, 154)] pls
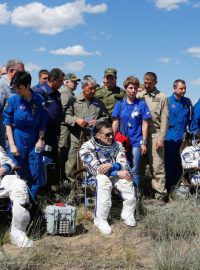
[(186, 155)]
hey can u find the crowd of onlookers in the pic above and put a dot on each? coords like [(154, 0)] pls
[(49, 120)]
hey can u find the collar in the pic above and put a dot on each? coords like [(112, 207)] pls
[(176, 99), (152, 93), (82, 98), (135, 101)]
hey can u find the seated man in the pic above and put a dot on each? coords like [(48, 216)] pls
[(16, 189), (106, 160), (190, 157)]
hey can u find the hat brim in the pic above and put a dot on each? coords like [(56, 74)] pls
[(110, 74)]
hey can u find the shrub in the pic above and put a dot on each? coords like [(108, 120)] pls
[(179, 220), (177, 256)]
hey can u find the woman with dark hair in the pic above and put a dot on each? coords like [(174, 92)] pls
[(25, 120), (130, 117)]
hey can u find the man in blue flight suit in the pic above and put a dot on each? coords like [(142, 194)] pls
[(180, 109), (43, 77), (54, 110), (49, 91)]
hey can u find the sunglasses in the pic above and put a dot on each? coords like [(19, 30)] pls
[(108, 135)]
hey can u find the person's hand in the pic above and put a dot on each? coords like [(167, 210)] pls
[(124, 175), (143, 149), (40, 145), (2, 171), (159, 145), (92, 123), (104, 168), (81, 122), (14, 150)]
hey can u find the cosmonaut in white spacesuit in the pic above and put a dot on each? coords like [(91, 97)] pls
[(16, 189), (190, 157), (106, 160)]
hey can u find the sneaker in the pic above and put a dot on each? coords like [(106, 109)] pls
[(19, 239), (102, 225), (130, 221)]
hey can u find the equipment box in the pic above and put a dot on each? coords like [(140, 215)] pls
[(61, 219)]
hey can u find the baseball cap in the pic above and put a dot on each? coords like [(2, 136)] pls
[(71, 77), (110, 71)]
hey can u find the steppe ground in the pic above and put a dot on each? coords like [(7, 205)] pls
[(163, 234)]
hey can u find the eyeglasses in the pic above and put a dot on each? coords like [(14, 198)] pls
[(108, 135)]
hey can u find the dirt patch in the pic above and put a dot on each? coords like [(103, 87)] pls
[(126, 248)]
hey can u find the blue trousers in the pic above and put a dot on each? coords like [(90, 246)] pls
[(173, 167), (31, 169)]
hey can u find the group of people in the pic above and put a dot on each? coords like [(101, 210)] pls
[(49, 120)]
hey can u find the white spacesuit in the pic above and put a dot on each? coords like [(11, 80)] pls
[(94, 154), (190, 157), (16, 189)]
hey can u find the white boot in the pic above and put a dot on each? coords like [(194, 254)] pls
[(20, 239), (130, 221), (102, 225)]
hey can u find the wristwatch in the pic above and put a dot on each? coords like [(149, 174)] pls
[(144, 142), (41, 138)]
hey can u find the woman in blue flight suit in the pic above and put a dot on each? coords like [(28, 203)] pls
[(25, 120)]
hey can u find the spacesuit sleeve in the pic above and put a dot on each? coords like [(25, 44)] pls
[(188, 159), (89, 159), (121, 158), (5, 160), (8, 112)]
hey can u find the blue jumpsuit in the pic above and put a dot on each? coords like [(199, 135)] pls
[(27, 118), (195, 123), (179, 119)]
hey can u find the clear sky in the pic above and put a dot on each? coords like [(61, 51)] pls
[(87, 36)]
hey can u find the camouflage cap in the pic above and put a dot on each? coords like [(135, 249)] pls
[(110, 71), (71, 77)]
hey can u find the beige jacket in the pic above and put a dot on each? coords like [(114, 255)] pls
[(159, 108)]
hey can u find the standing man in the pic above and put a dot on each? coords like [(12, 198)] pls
[(81, 116), (180, 109), (67, 96), (6, 91), (157, 128), (110, 93), (43, 77), (54, 110)]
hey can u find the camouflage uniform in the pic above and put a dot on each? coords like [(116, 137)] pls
[(81, 108), (110, 96), (157, 128)]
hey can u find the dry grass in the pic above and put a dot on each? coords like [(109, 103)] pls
[(174, 255), (127, 248), (179, 220)]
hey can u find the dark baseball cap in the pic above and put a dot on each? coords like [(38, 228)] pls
[(110, 71), (71, 77)]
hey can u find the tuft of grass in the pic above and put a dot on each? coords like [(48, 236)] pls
[(173, 255), (178, 220)]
